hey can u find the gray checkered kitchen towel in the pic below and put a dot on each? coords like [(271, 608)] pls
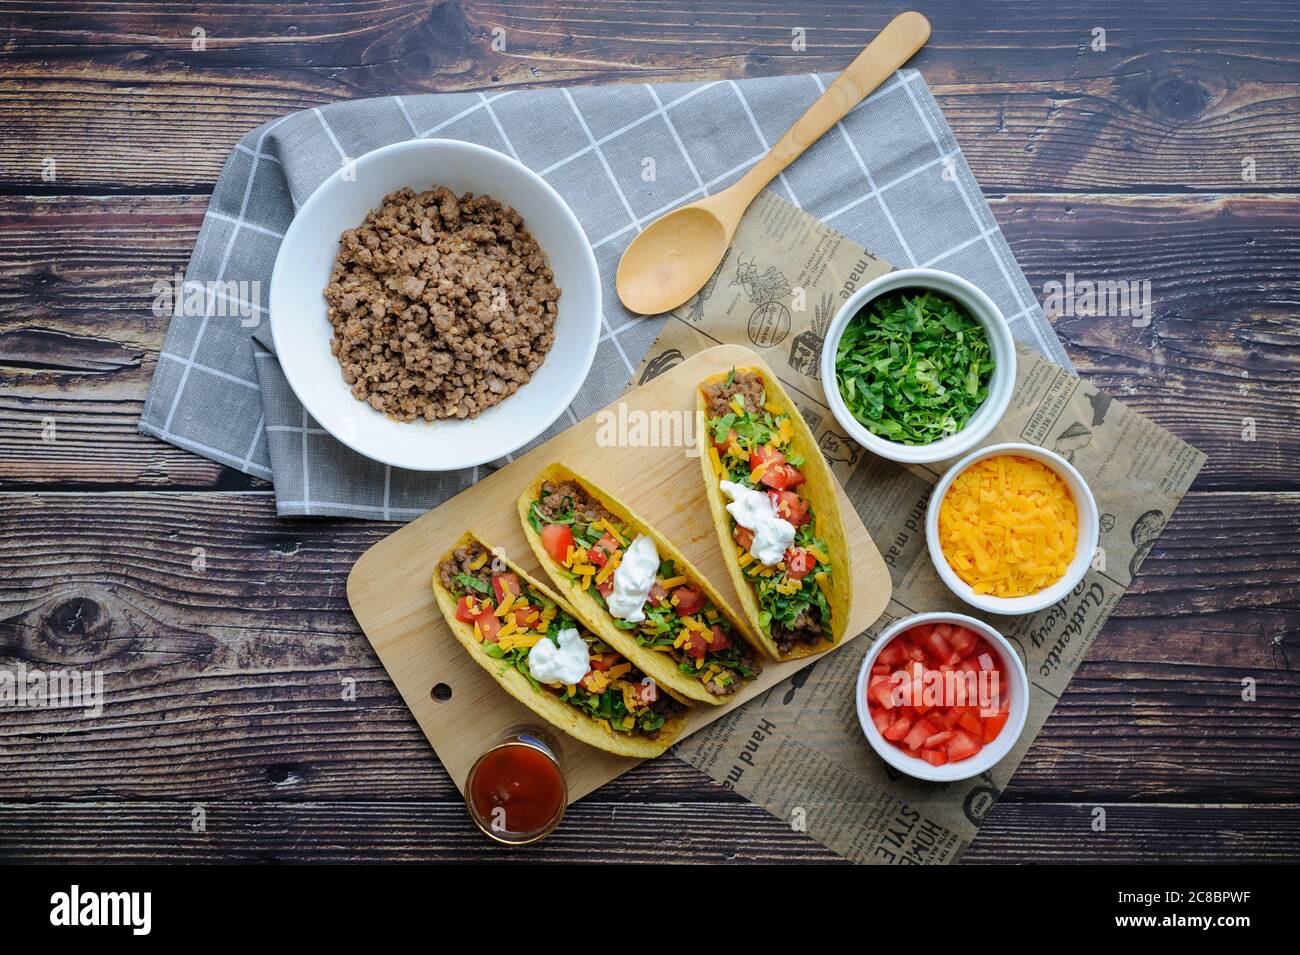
[(890, 177)]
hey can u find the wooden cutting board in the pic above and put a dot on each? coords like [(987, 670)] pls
[(459, 706)]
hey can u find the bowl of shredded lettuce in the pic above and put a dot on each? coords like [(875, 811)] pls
[(918, 366)]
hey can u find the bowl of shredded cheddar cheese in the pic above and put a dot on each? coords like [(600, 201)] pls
[(1012, 528)]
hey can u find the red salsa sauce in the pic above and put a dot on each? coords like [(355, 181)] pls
[(516, 792)]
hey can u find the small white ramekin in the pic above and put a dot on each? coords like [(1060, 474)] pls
[(1001, 383), (992, 752), (1089, 531)]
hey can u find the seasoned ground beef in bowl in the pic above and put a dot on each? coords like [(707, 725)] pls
[(441, 306), (437, 309)]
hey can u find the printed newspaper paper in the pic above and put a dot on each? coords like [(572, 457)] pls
[(798, 751)]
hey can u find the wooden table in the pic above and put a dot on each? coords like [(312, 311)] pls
[(228, 674)]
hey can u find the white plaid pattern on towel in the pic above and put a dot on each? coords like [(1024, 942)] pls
[(891, 177)]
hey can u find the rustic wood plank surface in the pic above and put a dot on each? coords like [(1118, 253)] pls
[(714, 831), (1178, 97), (223, 630)]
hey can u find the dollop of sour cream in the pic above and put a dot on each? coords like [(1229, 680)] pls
[(566, 663), (633, 578), (755, 511)]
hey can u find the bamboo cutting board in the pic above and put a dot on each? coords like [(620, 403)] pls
[(461, 709)]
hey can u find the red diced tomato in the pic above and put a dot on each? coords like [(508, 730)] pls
[(689, 599), (526, 617), (882, 718), (798, 563), (971, 723), (963, 640), (884, 693), (603, 661), (918, 698), (939, 647), (598, 554), (557, 539), (768, 455), (696, 645), (658, 597), (934, 757), (893, 653), (938, 739), (744, 537), (993, 726), (467, 609), (962, 746), (503, 584), (899, 729), (607, 587), (781, 477), (921, 731), (488, 625), (721, 639), (790, 507)]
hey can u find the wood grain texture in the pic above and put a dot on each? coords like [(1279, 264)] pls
[(79, 339), (228, 668), (233, 681), (631, 831), (1181, 94)]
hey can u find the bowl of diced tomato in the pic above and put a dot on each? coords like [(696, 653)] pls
[(942, 696)]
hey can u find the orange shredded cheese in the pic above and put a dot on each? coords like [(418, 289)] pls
[(1008, 526)]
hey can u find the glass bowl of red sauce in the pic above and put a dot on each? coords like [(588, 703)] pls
[(515, 792), (942, 696)]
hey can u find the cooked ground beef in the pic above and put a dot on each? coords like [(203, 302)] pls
[(458, 563), (558, 498), (747, 384), (807, 628), (441, 307)]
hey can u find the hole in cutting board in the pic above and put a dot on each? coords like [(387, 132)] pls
[(441, 692)]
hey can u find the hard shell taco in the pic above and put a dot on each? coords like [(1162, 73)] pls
[(533, 643), (636, 590), (773, 501)]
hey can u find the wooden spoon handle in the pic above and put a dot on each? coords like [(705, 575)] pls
[(891, 48)]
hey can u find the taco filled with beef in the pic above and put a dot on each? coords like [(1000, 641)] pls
[(772, 496), (638, 592), (535, 645)]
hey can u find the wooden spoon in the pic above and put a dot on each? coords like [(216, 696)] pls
[(675, 255)]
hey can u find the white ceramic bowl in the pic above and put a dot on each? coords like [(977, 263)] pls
[(302, 330), (1001, 383), (1089, 531), (992, 752)]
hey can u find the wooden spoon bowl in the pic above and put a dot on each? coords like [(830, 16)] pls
[(675, 255)]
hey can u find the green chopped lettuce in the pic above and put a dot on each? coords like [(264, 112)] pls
[(913, 367)]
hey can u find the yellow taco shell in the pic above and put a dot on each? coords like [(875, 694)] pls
[(658, 666), (818, 490), (555, 711)]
